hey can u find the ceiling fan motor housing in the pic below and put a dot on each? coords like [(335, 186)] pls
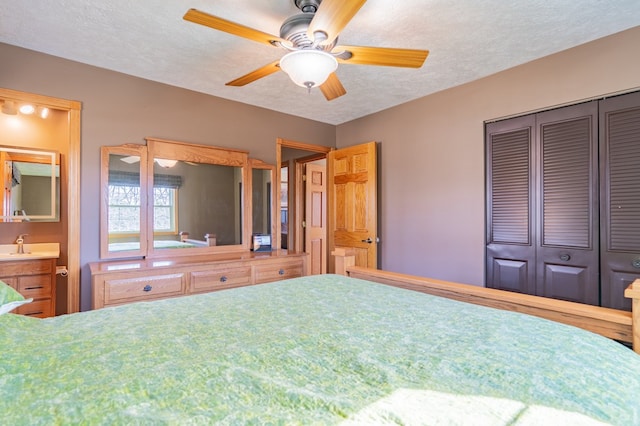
[(294, 29)]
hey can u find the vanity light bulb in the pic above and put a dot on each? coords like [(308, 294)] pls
[(27, 109)]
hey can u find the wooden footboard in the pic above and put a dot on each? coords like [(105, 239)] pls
[(615, 324)]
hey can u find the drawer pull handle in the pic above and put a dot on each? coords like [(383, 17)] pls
[(223, 279), (565, 257), (281, 272), (147, 288)]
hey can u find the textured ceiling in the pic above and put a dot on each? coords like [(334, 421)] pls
[(467, 40)]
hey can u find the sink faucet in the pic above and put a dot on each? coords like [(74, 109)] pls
[(20, 243)]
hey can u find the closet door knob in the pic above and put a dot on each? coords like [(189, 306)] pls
[(147, 288), (636, 263), (565, 257)]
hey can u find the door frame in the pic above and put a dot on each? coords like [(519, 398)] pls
[(297, 221)]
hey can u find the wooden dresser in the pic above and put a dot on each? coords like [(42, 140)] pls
[(120, 282), (33, 279)]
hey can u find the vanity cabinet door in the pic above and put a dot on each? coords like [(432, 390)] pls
[(33, 279)]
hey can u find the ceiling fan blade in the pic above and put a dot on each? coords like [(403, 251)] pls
[(332, 16), (203, 18), (332, 88), (255, 75), (409, 58)]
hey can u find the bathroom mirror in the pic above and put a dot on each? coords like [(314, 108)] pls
[(31, 185), (262, 199)]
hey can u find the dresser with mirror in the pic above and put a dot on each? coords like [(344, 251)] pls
[(179, 218)]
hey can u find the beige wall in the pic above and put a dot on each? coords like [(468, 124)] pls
[(432, 152), (117, 108)]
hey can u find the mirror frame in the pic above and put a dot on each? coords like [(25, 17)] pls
[(261, 165), (21, 153), (105, 153), (181, 151)]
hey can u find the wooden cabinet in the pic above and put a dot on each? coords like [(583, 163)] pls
[(33, 279), (120, 282)]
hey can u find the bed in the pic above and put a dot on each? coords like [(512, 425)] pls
[(157, 244), (325, 349)]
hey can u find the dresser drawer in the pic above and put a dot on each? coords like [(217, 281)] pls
[(202, 281), (38, 308), (275, 271), (35, 286), (131, 289)]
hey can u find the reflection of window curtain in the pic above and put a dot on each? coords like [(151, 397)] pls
[(167, 181), (16, 177), (133, 179)]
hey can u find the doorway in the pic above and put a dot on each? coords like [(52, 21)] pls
[(297, 208), (71, 218)]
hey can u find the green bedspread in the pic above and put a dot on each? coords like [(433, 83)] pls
[(314, 350)]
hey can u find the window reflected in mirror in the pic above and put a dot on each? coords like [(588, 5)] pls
[(124, 194)]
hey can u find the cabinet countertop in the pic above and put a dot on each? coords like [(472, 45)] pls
[(109, 266)]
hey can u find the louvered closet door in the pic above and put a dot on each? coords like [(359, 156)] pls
[(567, 203), (510, 251), (620, 189)]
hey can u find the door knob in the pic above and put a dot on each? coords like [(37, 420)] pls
[(636, 263), (565, 257)]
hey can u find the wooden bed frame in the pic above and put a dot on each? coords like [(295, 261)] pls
[(615, 324)]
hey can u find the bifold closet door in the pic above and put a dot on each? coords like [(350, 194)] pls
[(511, 245), (542, 204), (620, 197), (567, 231)]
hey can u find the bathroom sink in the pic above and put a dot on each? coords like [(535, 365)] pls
[(31, 251)]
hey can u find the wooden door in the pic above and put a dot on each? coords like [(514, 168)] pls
[(352, 203), (316, 218), (620, 197), (567, 202), (511, 253)]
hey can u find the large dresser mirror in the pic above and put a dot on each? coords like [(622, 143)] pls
[(31, 185), (200, 199)]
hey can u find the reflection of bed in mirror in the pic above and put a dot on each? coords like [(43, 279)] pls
[(135, 245)]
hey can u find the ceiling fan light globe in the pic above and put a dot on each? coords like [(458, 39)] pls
[(308, 68)]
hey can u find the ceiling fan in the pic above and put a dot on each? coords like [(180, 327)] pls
[(311, 37)]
